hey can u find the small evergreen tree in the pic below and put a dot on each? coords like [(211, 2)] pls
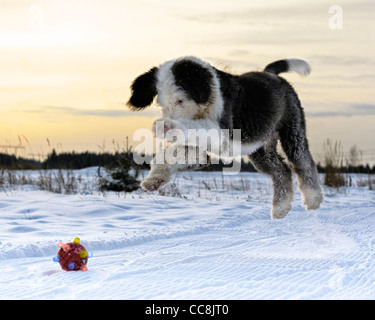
[(122, 177)]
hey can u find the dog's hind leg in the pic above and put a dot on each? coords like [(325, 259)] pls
[(294, 142), (266, 160)]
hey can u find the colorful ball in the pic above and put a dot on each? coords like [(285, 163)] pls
[(72, 256)]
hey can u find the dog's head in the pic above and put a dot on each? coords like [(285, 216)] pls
[(185, 88)]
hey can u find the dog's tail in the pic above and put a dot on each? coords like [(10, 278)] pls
[(288, 65)]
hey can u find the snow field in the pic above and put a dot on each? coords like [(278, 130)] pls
[(213, 241)]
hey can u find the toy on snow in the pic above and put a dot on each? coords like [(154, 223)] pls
[(72, 256)]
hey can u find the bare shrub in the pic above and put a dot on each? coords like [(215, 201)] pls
[(334, 160)]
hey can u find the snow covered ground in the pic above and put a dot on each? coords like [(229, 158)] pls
[(207, 237)]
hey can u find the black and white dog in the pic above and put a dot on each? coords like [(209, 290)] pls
[(264, 106)]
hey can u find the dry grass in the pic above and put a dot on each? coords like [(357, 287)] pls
[(334, 160), (56, 181), (62, 181)]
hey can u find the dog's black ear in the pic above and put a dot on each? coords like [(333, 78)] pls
[(194, 79), (143, 90)]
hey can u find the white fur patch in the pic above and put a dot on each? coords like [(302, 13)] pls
[(299, 66)]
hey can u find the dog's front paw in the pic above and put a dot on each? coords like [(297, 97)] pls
[(169, 124), (161, 126), (153, 183)]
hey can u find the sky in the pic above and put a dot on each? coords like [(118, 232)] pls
[(66, 66)]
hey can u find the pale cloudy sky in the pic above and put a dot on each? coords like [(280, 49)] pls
[(66, 65)]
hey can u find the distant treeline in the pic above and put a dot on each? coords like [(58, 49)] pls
[(350, 169), (12, 162), (73, 160), (64, 160)]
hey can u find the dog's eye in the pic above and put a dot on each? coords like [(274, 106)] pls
[(180, 101)]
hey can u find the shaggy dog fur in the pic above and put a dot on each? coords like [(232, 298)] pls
[(264, 106)]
